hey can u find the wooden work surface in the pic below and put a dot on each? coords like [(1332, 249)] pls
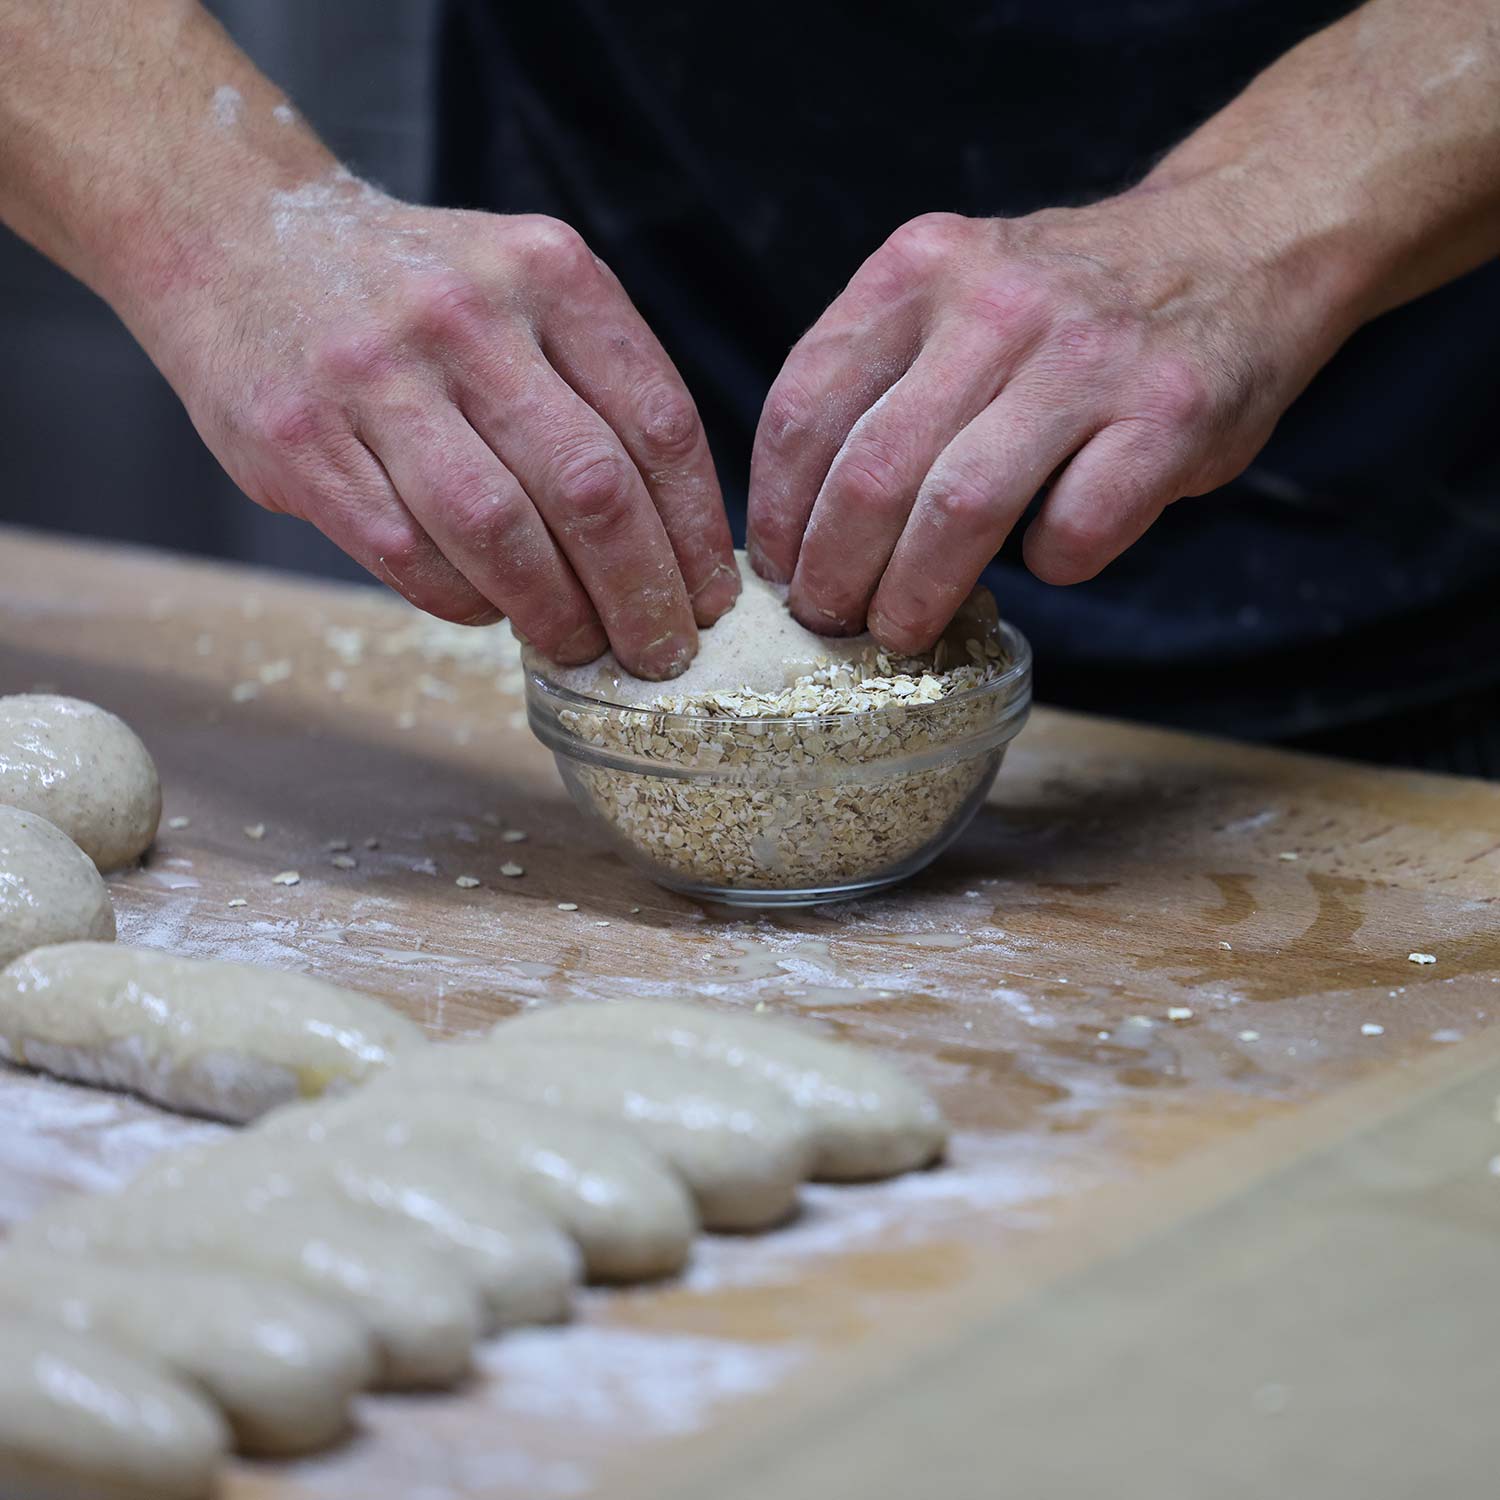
[(1149, 973)]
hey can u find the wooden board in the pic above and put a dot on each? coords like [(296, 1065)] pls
[(1117, 875)]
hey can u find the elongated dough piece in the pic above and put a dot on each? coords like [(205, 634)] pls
[(83, 769), (82, 1420), (226, 1040), (421, 1308), (524, 1266), (868, 1119), (740, 1146), (281, 1363), (50, 891), (628, 1211)]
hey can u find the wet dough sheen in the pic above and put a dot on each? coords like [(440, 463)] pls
[(83, 769), (50, 891), (220, 1039)]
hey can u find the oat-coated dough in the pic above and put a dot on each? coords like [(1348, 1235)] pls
[(738, 1144), (629, 1213), (226, 1040), (80, 1419), (281, 1363), (50, 891), (83, 769), (868, 1119)]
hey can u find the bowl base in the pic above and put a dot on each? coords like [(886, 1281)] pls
[(791, 896)]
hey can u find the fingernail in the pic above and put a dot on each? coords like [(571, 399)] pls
[(489, 616), (715, 597), (586, 644), (764, 566), (665, 658)]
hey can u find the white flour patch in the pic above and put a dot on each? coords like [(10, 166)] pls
[(226, 105)]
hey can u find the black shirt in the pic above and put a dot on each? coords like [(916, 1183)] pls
[(734, 165)]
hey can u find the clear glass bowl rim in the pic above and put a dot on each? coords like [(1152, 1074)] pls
[(1010, 692)]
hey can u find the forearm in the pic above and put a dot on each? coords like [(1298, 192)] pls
[(135, 139), (1365, 162)]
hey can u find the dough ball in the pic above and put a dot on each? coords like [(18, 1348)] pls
[(50, 891), (82, 768)]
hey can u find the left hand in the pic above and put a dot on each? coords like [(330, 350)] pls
[(1126, 354)]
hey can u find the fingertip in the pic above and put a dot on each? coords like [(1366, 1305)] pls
[(1053, 561), (902, 640), (587, 643), (717, 596), (765, 565), (663, 659)]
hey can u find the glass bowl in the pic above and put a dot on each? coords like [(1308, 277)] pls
[(783, 811)]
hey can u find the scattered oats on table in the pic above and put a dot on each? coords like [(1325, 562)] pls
[(286, 877)]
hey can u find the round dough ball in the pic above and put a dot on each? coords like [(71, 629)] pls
[(83, 769), (50, 891)]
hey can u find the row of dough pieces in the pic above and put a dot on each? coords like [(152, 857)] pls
[(79, 794), (240, 1293)]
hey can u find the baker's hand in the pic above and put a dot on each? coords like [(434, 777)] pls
[(1124, 354), (470, 406)]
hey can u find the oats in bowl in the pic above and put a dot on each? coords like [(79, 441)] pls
[(829, 769)]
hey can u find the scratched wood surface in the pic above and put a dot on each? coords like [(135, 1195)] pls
[(1147, 945)]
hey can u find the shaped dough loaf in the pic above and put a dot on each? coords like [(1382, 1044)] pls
[(421, 1308), (82, 1420), (281, 1363), (868, 1119), (524, 1265), (84, 770), (740, 1146), (50, 891), (220, 1039), (628, 1211)]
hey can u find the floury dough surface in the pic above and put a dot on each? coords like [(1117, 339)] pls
[(226, 1040), (756, 645), (83, 769), (50, 891)]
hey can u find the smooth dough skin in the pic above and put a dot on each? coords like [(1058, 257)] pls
[(82, 1420), (50, 891), (83, 769), (226, 1040), (524, 1265), (629, 1213), (281, 1363), (740, 1146), (420, 1308), (868, 1119)]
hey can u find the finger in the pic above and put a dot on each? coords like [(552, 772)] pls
[(973, 495), (595, 505), (872, 485), (853, 354), (324, 474), (1106, 499), (478, 515), (602, 347)]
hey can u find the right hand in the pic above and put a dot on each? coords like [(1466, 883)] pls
[(470, 406)]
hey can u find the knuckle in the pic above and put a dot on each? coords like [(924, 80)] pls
[(670, 432), (557, 246), (594, 489), (870, 476), (1179, 393), (291, 422), (959, 501), (359, 357), (787, 415), (447, 309), (1012, 299), (928, 237)]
